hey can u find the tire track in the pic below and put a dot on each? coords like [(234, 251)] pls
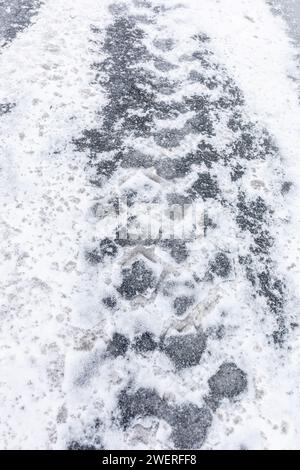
[(174, 131), (15, 16)]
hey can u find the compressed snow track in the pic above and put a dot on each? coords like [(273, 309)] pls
[(126, 337)]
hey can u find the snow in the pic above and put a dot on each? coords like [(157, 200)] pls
[(53, 322), (45, 71)]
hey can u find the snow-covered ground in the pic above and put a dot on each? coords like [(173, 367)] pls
[(149, 343)]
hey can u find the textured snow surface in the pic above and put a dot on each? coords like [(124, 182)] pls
[(149, 341)]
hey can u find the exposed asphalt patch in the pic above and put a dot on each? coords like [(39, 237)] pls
[(15, 16)]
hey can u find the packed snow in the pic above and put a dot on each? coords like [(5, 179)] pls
[(149, 342)]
